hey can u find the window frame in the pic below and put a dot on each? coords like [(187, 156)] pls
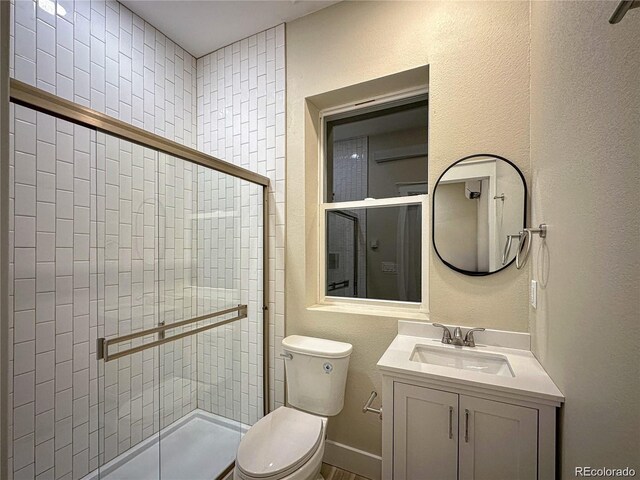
[(369, 305)]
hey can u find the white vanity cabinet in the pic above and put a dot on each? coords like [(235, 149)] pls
[(451, 414), (444, 435)]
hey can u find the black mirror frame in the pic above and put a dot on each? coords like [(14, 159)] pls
[(433, 212)]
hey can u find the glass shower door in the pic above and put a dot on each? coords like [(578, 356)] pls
[(183, 433), (206, 251), (136, 290), (126, 253), (53, 409), (179, 255)]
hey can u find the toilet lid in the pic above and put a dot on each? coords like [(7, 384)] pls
[(279, 443)]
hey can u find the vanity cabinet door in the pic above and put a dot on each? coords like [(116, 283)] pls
[(498, 441), (425, 433)]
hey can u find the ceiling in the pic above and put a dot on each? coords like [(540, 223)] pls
[(203, 26)]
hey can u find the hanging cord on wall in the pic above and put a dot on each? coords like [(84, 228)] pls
[(524, 246)]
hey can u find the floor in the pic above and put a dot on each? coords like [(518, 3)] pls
[(329, 472), (198, 447)]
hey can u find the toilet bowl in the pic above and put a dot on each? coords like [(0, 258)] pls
[(288, 443)]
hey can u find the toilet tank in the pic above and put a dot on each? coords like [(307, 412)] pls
[(316, 373)]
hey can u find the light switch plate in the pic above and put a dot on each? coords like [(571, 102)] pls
[(389, 267), (533, 294)]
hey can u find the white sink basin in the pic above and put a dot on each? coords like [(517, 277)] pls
[(462, 359)]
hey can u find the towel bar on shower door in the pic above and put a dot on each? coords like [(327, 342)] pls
[(102, 350)]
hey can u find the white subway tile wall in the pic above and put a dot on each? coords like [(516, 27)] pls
[(144, 277), (177, 295), (80, 242), (229, 252), (54, 289), (241, 119), (101, 55), (107, 236)]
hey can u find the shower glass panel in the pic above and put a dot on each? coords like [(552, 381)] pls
[(229, 358), (126, 191), (189, 246), (53, 298), (110, 241)]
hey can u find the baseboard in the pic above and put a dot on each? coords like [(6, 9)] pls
[(353, 460)]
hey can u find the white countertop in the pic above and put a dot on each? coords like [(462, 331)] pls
[(530, 378)]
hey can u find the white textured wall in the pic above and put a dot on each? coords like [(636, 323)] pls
[(241, 119), (65, 181), (478, 57), (585, 157)]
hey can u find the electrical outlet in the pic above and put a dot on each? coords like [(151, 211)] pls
[(533, 294)]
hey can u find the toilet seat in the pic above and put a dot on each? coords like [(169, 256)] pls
[(279, 443)]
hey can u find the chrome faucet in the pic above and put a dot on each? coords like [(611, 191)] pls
[(457, 337), (467, 341)]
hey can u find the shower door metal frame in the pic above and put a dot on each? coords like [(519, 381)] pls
[(26, 95), (34, 98), (5, 27)]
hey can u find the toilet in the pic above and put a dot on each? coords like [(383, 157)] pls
[(288, 443)]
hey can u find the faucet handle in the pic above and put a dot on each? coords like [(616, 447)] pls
[(446, 333), (469, 340)]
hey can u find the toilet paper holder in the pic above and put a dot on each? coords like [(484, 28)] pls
[(367, 406)]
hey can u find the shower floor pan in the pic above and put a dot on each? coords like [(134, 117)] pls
[(199, 446)]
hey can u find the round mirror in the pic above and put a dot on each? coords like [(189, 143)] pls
[(479, 209)]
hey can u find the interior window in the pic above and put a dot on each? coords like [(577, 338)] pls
[(375, 186)]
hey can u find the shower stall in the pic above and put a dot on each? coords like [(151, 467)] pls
[(137, 299)]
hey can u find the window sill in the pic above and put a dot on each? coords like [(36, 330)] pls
[(370, 310)]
